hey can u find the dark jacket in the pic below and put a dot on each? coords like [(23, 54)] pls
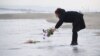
[(73, 17)]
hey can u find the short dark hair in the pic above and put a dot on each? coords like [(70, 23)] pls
[(59, 10)]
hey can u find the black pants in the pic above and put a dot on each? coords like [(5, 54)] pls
[(74, 37)]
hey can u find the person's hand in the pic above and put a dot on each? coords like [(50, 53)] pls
[(53, 29)]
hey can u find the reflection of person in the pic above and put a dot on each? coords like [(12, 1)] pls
[(73, 17)]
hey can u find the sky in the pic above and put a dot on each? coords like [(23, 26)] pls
[(93, 5)]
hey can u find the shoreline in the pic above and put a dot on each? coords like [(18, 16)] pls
[(91, 19)]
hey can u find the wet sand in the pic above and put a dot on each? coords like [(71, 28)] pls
[(22, 34)]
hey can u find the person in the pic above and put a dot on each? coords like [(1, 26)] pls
[(76, 18)]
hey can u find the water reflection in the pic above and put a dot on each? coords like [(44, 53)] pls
[(75, 49)]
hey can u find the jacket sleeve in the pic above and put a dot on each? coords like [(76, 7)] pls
[(59, 23)]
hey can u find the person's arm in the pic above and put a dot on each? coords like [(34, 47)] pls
[(59, 23)]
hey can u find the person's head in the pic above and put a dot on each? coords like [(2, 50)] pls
[(59, 11)]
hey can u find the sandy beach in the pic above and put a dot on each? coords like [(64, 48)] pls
[(91, 19), (24, 27)]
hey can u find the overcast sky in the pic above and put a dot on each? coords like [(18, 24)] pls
[(67, 4)]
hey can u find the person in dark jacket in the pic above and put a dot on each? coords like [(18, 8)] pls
[(73, 17)]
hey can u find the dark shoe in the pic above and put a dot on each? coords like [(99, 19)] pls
[(74, 43)]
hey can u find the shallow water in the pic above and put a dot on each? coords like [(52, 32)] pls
[(15, 32)]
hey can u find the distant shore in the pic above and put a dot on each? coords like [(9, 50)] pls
[(92, 19)]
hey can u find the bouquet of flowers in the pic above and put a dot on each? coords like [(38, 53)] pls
[(49, 32)]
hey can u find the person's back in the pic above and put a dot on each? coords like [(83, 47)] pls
[(73, 17), (70, 16)]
